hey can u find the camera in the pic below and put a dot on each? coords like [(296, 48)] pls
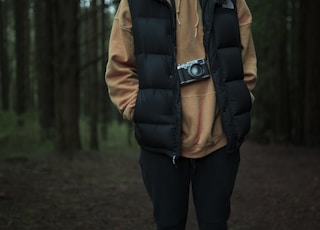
[(193, 71)]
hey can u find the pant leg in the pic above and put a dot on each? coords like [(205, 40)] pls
[(168, 186), (212, 184)]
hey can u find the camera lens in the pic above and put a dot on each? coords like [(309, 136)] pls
[(195, 70)]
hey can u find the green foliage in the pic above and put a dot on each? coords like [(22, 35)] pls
[(27, 140), (119, 134), (8, 123), (17, 139)]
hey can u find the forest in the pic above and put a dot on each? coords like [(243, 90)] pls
[(69, 161), (53, 56)]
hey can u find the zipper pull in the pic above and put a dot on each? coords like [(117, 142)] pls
[(174, 158)]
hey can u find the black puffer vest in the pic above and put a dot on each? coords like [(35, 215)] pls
[(157, 113)]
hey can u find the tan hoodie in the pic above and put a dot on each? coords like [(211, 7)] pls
[(202, 131)]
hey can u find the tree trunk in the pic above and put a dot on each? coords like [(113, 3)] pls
[(273, 54), (22, 40), (297, 73), (44, 65), (66, 65), (284, 81), (312, 72), (94, 89), (104, 102), (4, 58)]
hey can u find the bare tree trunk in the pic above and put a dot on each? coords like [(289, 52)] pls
[(284, 81), (94, 97), (4, 58), (275, 58), (44, 65), (294, 69), (66, 65), (22, 56), (312, 72), (103, 102)]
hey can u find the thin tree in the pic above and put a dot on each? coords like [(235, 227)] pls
[(104, 28), (22, 51), (4, 58), (310, 59), (296, 72), (44, 65), (94, 87), (283, 114), (66, 66)]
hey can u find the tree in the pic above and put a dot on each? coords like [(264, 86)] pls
[(283, 111), (295, 71), (44, 65), (94, 96), (268, 32), (66, 66), (22, 51), (4, 58), (105, 104), (310, 60)]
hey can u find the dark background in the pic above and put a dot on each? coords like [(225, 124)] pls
[(55, 112)]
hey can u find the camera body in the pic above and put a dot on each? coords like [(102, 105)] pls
[(193, 71)]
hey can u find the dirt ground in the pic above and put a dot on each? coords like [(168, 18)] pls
[(277, 188)]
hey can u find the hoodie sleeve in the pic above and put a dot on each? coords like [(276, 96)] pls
[(121, 76), (248, 53)]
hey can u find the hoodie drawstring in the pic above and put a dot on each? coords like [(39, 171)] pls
[(178, 4), (178, 11), (197, 22)]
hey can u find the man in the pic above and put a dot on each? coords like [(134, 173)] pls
[(183, 71)]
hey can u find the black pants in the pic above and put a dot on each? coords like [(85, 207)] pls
[(212, 179)]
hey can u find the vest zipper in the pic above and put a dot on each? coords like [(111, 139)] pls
[(174, 160), (172, 9)]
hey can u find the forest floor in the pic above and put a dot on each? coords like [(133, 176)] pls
[(277, 188)]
